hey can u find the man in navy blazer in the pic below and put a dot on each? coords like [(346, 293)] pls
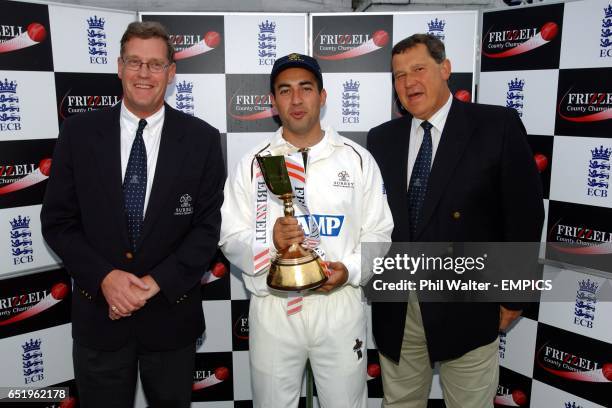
[(453, 172), (133, 210)]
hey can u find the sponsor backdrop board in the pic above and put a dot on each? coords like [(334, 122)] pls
[(552, 63), (58, 61)]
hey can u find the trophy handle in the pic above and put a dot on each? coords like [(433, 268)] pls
[(288, 204)]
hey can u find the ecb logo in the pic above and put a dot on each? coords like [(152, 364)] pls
[(605, 41), (266, 43), (350, 102), (514, 96), (586, 300), (184, 97), (329, 225), (96, 40), (9, 106), (436, 28), (599, 172), (32, 361), (21, 240)]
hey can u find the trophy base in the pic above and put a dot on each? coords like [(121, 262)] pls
[(296, 274)]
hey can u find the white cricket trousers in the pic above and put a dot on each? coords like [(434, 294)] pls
[(330, 330)]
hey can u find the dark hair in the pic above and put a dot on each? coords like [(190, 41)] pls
[(435, 47), (146, 30)]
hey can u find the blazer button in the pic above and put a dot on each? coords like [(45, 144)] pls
[(456, 215), (129, 255)]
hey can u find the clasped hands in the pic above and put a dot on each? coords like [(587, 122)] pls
[(287, 231), (125, 293)]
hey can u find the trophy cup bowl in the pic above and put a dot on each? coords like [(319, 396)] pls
[(294, 268)]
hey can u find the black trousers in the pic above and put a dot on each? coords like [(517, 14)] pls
[(107, 379)]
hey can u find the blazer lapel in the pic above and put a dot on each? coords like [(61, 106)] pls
[(108, 155), (167, 169), (453, 142)]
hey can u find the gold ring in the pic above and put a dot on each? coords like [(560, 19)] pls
[(114, 309)]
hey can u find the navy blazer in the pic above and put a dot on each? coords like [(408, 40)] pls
[(83, 221), (483, 187)]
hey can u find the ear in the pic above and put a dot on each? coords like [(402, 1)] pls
[(323, 97), (119, 66), (171, 72), (445, 68)]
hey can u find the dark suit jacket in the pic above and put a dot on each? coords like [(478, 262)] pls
[(83, 221), (483, 187)]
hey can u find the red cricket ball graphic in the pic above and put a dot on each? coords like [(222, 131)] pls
[(219, 270), (69, 402), (519, 397), (59, 291), (463, 95), (222, 373), (549, 31), (541, 161), (374, 370), (37, 32), (607, 371), (380, 38), (212, 39), (45, 166)]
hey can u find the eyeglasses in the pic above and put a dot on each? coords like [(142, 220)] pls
[(134, 64)]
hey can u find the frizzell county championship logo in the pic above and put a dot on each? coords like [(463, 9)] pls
[(515, 96), (569, 366), (73, 104), (10, 119), (32, 361), (508, 43), (350, 102), (436, 28), (26, 305), (577, 106), (251, 107), (345, 46), (598, 179), (605, 41), (241, 327), (15, 177), (583, 240), (266, 43), (96, 40), (586, 302), (184, 97), (507, 397), (14, 38), (208, 378), (190, 45)]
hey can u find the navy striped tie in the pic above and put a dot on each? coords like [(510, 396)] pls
[(418, 180), (135, 185)]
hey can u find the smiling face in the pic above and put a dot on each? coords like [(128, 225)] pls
[(420, 82), (143, 90), (298, 102)]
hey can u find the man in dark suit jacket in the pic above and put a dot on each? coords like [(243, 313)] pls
[(453, 172), (133, 210)]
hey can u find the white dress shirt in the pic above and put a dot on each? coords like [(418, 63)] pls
[(151, 136), (438, 120)]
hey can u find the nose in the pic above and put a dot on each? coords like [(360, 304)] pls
[(296, 97)]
